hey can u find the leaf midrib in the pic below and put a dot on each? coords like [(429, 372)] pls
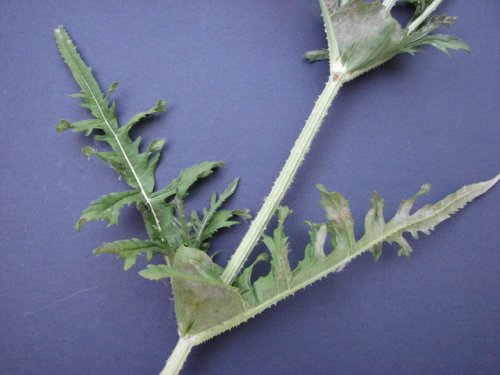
[(122, 150), (248, 314)]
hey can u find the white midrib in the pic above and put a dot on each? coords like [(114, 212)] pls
[(361, 246), (141, 188)]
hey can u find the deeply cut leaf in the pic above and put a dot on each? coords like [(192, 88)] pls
[(129, 250), (280, 275), (339, 227), (137, 168), (165, 220), (214, 219), (108, 207), (181, 184)]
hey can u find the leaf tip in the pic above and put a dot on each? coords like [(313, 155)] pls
[(321, 187), (493, 181), (63, 125), (88, 151), (425, 188), (79, 224), (58, 30), (157, 145), (161, 106)]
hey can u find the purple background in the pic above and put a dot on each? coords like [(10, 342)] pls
[(239, 91)]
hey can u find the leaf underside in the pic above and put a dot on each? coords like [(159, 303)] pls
[(362, 35), (199, 291)]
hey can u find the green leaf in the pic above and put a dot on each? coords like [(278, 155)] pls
[(314, 251), (365, 35), (244, 281), (165, 221), (223, 219), (136, 168), (112, 88), (63, 126), (341, 224), (374, 223), (159, 107), (316, 264), (108, 207), (157, 145), (362, 34), (88, 151), (169, 236), (202, 300), (181, 184), (280, 275), (91, 93), (441, 42), (157, 272), (213, 219), (129, 250), (317, 55), (421, 36)]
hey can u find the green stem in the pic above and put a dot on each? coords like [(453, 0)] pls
[(427, 12), (177, 358), (284, 179), (389, 4), (281, 185)]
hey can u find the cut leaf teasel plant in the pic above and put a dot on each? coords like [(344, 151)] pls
[(210, 298)]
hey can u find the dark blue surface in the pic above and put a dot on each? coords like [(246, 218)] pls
[(240, 92)]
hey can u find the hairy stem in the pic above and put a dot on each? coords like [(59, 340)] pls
[(418, 21), (281, 185), (177, 358), (389, 4), (284, 179)]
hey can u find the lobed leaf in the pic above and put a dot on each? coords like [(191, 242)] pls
[(280, 276), (339, 227), (159, 107), (244, 281), (93, 98), (137, 168), (214, 219), (107, 208), (181, 184), (341, 223), (422, 36), (129, 250)]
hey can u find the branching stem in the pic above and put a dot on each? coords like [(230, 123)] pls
[(281, 185), (285, 178)]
